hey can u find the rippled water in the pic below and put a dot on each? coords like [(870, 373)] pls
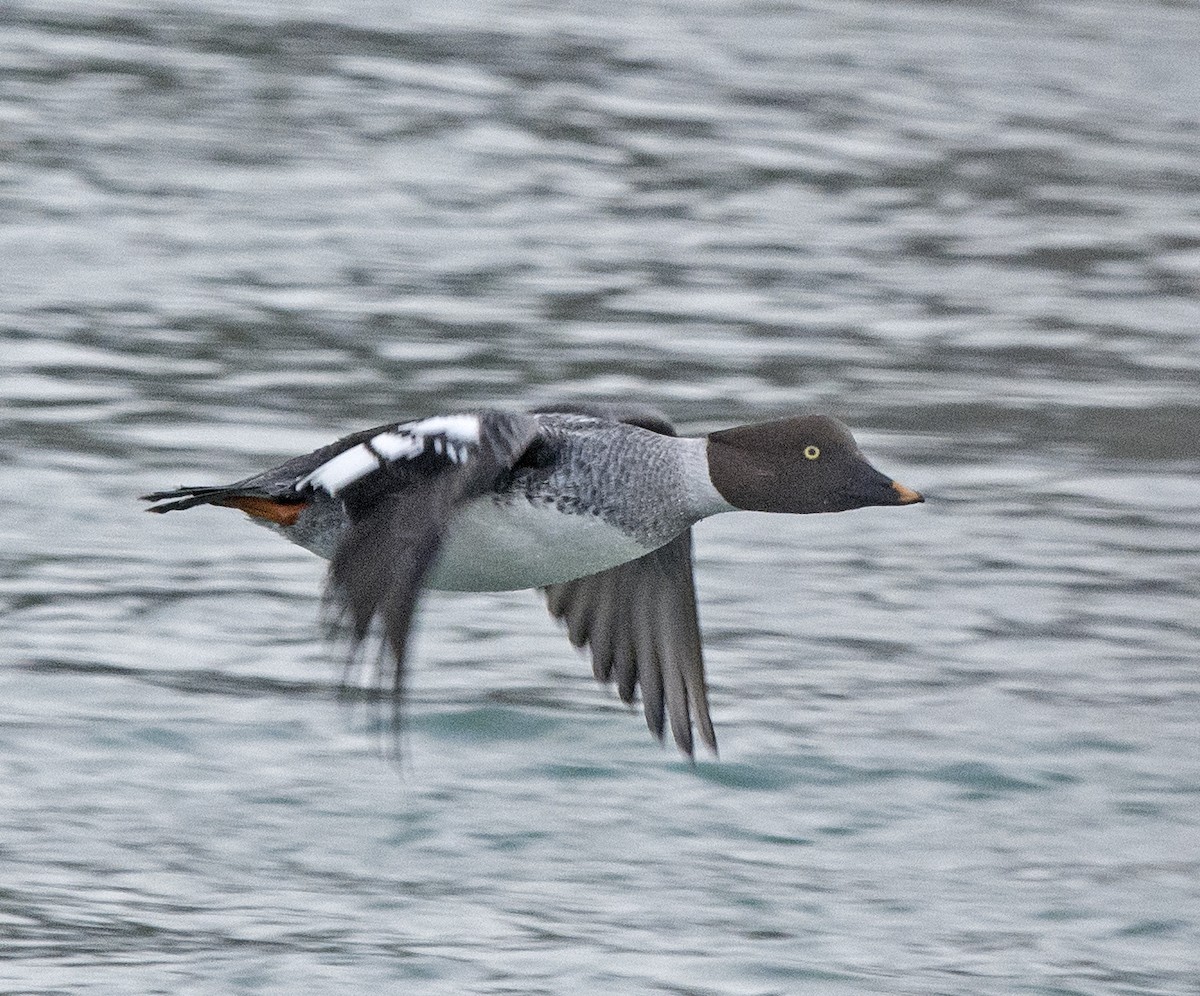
[(961, 744)]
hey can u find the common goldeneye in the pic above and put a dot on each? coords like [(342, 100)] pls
[(593, 504)]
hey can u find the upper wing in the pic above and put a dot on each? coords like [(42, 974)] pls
[(640, 617), (335, 467), (400, 488)]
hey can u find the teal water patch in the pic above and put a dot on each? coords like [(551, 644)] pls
[(1093, 745), (981, 780), (486, 724), (1140, 807), (1151, 928), (779, 773), (164, 738), (745, 775), (581, 772), (783, 840), (1063, 915)]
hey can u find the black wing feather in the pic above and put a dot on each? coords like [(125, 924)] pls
[(399, 515)]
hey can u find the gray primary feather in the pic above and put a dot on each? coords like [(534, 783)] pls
[(640, 621)]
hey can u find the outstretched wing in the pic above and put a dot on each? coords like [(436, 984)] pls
[(640, 620), (400, 488)]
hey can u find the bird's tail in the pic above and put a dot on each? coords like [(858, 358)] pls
[(253, 501), (180, 498)]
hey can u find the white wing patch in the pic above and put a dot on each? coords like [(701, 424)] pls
[(397, 446), (343, 469), (459, 428), (452, 435)]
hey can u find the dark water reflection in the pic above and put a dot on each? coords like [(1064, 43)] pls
[(960, 742)]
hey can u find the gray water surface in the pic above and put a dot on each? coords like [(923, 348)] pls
[(960, 742)]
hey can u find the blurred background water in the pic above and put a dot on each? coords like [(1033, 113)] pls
[(961, 751)]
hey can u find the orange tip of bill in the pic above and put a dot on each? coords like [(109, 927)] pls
[(907, 495)]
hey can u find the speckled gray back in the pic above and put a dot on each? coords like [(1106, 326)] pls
[(630, 477)]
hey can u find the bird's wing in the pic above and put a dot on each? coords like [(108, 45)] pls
[(401, 487), (640, 621), (639, 618)]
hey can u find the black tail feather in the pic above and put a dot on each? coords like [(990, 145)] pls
[(181, 498)]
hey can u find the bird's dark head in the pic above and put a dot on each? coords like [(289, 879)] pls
[(810, 463)]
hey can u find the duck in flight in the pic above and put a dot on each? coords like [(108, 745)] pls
[(592, 504)]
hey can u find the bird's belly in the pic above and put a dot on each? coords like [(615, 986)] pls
[(499, 546)]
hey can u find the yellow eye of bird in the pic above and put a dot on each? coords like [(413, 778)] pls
[(811, 452)]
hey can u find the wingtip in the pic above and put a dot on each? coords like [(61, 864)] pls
[(690, 751)]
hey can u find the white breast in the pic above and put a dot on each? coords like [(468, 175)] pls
[(500, 546)]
